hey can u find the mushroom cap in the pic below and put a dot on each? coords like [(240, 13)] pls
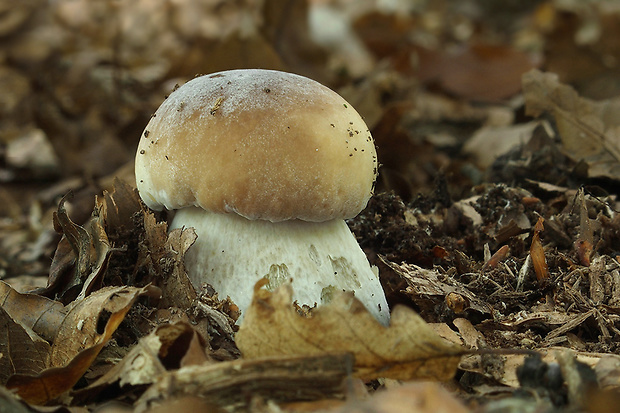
[(261, 143)]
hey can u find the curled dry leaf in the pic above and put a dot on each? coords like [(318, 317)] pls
[(90, 251), (409, 348), (22, 352), (144, 251), (145, 243), (81, 335)]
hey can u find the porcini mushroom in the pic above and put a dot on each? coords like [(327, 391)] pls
[(266, 166)]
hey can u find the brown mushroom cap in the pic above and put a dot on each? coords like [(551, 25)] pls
[(264, 144)]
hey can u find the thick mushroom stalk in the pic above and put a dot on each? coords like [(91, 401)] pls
[(319, 258)]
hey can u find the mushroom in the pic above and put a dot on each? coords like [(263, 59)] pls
[(266, 166)]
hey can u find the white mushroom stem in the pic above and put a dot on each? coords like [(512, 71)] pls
[(232, 253)]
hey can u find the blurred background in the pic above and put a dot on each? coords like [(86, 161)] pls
[(438, 83)]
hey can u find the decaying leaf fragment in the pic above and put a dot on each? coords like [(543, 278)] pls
[(427, 288), (407, 349), (81, 335)]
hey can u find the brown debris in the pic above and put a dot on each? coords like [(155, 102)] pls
[(476, 150), (537, 253)]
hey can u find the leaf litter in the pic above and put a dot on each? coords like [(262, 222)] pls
[(476, 150)]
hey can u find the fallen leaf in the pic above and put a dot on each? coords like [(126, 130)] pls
[(490, 142), (407, 349), (590, 130), (39, 314), (92, 320), (144, 251), (470, 335), (21, 352), (426, 285), (84, 331)]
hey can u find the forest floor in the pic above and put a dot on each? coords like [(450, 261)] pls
[(495, 224)]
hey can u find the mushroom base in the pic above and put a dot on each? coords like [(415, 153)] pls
[(232, 253)]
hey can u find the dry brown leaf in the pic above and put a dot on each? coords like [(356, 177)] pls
[(409, 348), (590, 130), (90, 321), (170, 346), (144, 251), (39, 314), (537, 253), (143, 241), (86, 249), (89, 324), (22, 353), (425, 285), (489, 142)]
